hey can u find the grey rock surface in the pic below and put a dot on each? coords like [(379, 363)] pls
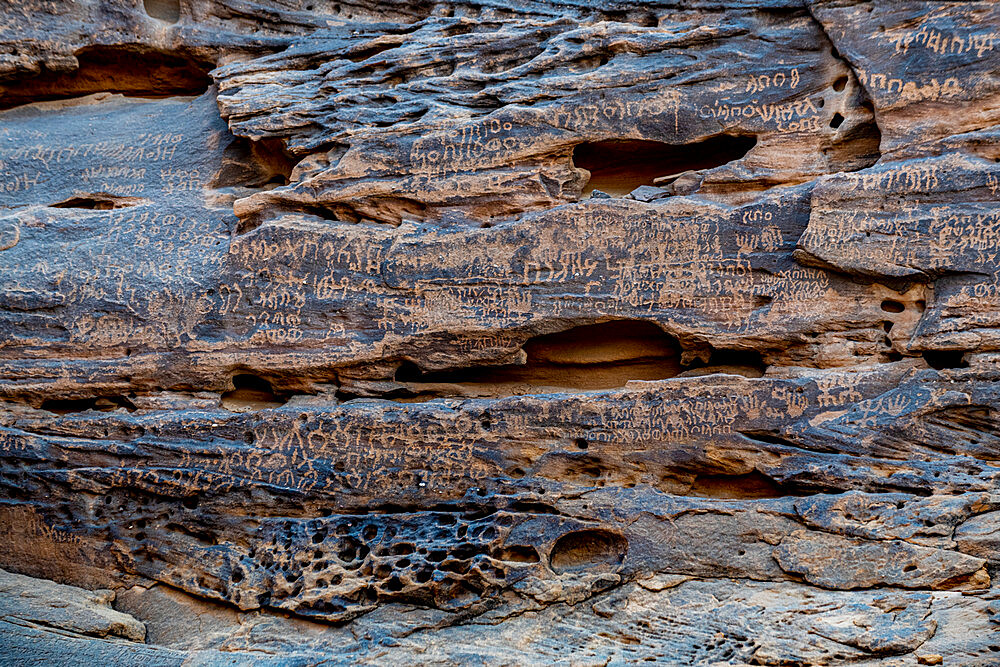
[(499, 332)]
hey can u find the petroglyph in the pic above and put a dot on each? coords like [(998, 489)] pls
[(522, 332)]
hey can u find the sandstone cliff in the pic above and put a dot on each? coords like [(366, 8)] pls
[(500, 332)]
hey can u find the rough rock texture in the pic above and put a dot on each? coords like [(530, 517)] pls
[(500, 332)]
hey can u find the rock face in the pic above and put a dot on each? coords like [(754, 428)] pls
[(500, 332)]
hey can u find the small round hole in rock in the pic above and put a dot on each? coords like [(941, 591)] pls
[(836, 121)]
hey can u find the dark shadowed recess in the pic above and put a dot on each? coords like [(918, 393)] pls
[(618, 167), (596, 356), (856, 145), (262, 164), (132, 71), (942, 359), (98, 201), (585, 358), (98, 404), (251, 392)]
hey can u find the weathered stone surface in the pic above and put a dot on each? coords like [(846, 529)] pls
[(515, 332), (27, 601), (488, 126), (929, 68)]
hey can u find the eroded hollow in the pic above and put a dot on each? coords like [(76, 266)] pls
[(748, 363), (100, 201), (856, 140), (747, 486), (591, 357), (942, 359), (249, 393), (260, 164), (164, 10), (618, 167), (136, 72), (518, 554), (97, 404), (595, 550)]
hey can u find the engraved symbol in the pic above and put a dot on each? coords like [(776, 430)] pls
[(10, 234)]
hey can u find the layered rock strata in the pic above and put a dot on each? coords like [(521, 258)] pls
[(503, 332)]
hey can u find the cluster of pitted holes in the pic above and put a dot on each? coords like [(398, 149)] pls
[(717, 644), (838, 86), (893, 307), (458, 560), (141, 513), (409, 12), (434, 558), (937, 359), (723, 647)]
